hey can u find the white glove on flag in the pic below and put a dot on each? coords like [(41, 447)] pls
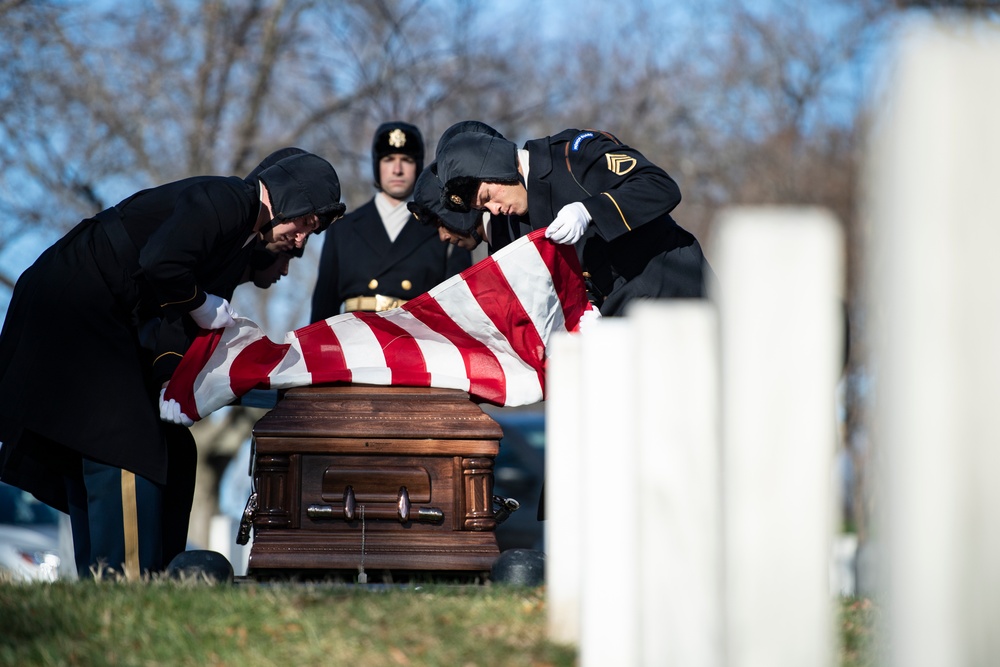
[(170, 411), (215, 313), (569, 225)]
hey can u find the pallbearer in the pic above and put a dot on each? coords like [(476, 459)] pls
[(95, 329)]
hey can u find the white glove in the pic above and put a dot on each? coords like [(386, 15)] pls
[(589, 319), (215, 313), (170, 411), (569, 225)]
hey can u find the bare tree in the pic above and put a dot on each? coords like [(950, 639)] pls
[(742, 101)]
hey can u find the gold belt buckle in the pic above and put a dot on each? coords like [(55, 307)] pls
[(383, 302)]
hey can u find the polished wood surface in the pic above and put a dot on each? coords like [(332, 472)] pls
[(407, 472)]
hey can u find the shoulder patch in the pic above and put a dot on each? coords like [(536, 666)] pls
[(619, 163), (580, 138)]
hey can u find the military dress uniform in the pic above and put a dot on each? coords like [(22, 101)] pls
[(633, 249), (361, 266), (94, 327), (361, 269)]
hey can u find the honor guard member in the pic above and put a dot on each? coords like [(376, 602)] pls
[(97, 325), (587, 188), (379, 257), (463, 230)]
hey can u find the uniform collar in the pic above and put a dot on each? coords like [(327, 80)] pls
[(522, 160)]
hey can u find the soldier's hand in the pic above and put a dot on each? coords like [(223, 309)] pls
[(215, 313), (170, 411), (569, 225)]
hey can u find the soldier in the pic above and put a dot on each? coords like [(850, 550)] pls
[(466, 230), (589, 189), (462, 230), (378, 257), (96, 327)]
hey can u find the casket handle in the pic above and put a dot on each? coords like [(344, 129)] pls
[(350, 503), (404, 509), (424, 514), (403, 505)]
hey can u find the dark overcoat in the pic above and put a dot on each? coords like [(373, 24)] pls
[(358, 259), (94, 327)]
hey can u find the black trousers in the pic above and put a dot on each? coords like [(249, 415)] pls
[(124, 523)]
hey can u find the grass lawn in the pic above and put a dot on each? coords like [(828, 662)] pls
[(169, 623)]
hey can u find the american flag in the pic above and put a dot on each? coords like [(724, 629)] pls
[(483, 331)]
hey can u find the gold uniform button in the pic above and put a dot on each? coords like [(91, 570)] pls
[(407, 285), (372, 284)]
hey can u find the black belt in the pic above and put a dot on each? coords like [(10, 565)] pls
[(121, 243)]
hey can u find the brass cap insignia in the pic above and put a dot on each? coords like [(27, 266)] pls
[(397, 138), (619, 163), (455, 199)]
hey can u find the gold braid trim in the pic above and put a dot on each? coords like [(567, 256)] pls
[(624, 222), (130, 521), (176, 354), (174, 303)]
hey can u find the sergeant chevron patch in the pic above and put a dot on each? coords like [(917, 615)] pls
[(619, 163)]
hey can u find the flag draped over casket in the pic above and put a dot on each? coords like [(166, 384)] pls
[(483, 331)]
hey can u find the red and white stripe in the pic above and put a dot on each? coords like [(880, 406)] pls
[(483, 331)]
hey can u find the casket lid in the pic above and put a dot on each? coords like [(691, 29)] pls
[(364, 411)]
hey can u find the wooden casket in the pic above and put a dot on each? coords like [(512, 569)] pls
[(391, 481)]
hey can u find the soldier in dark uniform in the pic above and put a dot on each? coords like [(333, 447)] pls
[(378, 257), (96, 327), (462, 230), (466, 230), (589, 189)]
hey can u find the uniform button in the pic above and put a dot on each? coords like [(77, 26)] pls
[(407, 285), (372, 284)]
